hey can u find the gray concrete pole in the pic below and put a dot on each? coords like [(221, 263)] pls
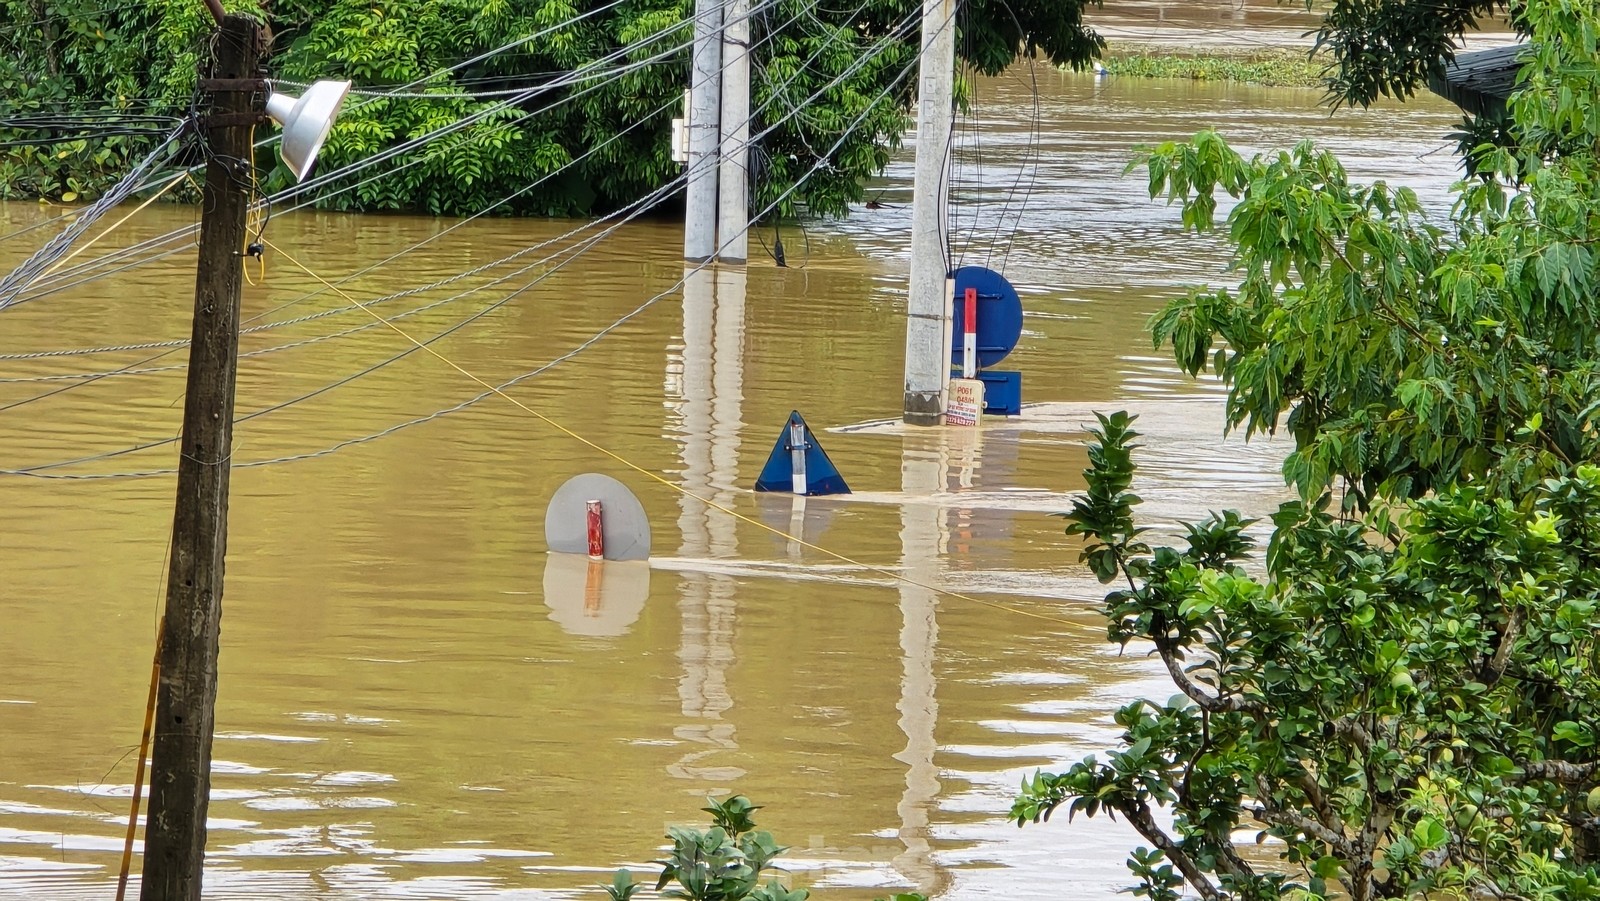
[(928, 301), (733, 202), (705, 98)]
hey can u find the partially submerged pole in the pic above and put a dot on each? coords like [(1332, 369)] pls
[(797, 457), (928, 302), (594, 528), (180, 771), (969, 334), (733, 202), (705, 98)]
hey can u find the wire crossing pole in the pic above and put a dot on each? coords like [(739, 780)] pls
[(180, 772), (928, 302), (705, 98), (733, 201)]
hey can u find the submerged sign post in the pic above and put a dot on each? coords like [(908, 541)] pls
[(966, 402), (987, 327), (799, 465)]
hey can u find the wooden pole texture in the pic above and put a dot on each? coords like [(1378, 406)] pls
[(180, 771)]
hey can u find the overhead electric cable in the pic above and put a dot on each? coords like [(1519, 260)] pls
[(503, 48), (19, 278), (39, 471), (638, 207), (576, 76), (176, 343)]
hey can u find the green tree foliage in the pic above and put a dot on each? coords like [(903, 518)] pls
[(70, 57), (1410, 719), (1390, 48), (852, 59), (1411, 354), (1405, 697), (722, 863)]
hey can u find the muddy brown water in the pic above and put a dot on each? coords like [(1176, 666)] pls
[(418, 702)]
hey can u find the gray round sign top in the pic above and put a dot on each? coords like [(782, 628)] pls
[(627, 529)]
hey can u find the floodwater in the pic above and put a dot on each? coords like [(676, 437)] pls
[(418, 702)]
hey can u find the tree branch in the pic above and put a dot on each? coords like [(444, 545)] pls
[(1139, 815), (1378, 298), (1288, 819), (1562, 771), (1274, 815), (1231, 862), (1191, 689), (1379, 817), (1352, 733), (1495, 666), (1319, 802)]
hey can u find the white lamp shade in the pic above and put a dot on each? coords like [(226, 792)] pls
[(306, 121)]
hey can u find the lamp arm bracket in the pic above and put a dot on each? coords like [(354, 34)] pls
[(232, 120), (233, 85)]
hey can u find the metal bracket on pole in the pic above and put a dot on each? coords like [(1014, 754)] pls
[(232, 120), (233, 85)]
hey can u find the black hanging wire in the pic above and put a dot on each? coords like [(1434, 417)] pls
[(776, 249), (1030, 160), (1030, 163), (965, 123), (761, 158)]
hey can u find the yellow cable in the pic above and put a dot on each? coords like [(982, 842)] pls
[(654, 476), (90, 243), (253, 214)]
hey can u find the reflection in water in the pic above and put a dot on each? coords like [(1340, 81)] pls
[(595, 598), (711, 372), (922, 546)]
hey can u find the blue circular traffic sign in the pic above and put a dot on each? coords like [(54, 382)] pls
[(999, 315)]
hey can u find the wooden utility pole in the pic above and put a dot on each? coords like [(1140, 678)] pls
[(180, 772)]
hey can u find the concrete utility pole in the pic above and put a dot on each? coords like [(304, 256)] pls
[(733, 201), (705, 96), (180, 772), (928, 302)]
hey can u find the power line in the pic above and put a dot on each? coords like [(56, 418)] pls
[(517, 42), (409, 292), (640, 205), (823, 160), (574, 77), (34, 266), (1030, 162)]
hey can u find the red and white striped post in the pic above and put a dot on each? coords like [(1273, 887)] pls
[(969, 337), (597, 532)]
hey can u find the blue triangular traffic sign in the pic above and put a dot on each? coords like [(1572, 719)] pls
[(815, 474)]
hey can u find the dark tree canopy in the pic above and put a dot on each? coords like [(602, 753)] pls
[(1405, 692), (832, 81), (1389, 48)]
